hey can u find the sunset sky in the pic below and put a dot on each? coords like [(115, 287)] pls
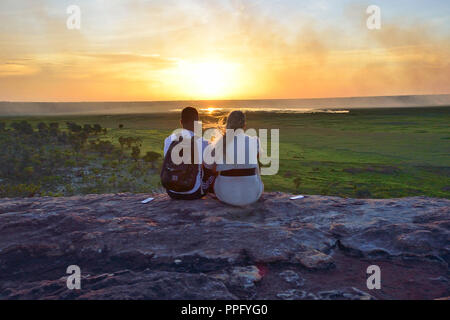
[(225, 49)]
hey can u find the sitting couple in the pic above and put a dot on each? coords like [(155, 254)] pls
[(234, 178)]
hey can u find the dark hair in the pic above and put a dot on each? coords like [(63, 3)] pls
[(236, 120), (189, 115)]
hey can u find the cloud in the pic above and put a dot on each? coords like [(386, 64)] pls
[(16, 68), (132, 51), (153, 61)]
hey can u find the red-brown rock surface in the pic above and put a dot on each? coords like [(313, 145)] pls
[(314, 248)]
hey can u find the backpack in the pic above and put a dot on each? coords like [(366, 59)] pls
[(179, 177)]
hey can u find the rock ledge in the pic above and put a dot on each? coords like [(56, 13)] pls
[(314, 248)]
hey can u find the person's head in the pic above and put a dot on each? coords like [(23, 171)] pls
[(188, 116), (236, 120)]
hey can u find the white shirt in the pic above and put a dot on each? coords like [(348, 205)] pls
[(246, 151)]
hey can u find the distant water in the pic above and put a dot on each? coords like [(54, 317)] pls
[(331, 105)]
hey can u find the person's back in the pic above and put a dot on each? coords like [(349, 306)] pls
[(239, 182), (199, 188)]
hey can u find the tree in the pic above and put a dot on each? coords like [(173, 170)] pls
[(73, 127), (151, 157), (62, 138), (78, 140), (130, 141), (104, 147), (137, 141), (42, 128), (135, 152), (122, 142), (22, 127), (54, 129), (97, 128), (88, 128)]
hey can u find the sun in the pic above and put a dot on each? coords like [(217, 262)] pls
[(211, 110), (211, 79)]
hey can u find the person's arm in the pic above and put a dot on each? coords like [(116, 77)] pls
[(259, 148), (166, 145)]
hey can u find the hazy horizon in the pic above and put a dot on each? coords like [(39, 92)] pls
[(11, 108), (231, 99)]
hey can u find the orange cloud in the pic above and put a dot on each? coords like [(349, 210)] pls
[(235, 52)]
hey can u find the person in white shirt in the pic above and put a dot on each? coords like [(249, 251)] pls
[(239, 181), (205, 177)]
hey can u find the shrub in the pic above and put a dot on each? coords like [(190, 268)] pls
[(135, 152), (97, 128), (54, 129), (151, 157), (42, 128), (22, 127), (73, 127)]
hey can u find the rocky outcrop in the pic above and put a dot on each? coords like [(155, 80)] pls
[(312, 248)]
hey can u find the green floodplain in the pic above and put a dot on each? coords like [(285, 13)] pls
[(366, 153)]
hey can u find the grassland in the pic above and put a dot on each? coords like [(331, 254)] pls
[(367, 153)]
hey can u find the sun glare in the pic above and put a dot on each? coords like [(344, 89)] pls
[(209, 79), (211, 110)]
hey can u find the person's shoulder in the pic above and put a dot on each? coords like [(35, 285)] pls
[(205, 142), (168, 139)]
